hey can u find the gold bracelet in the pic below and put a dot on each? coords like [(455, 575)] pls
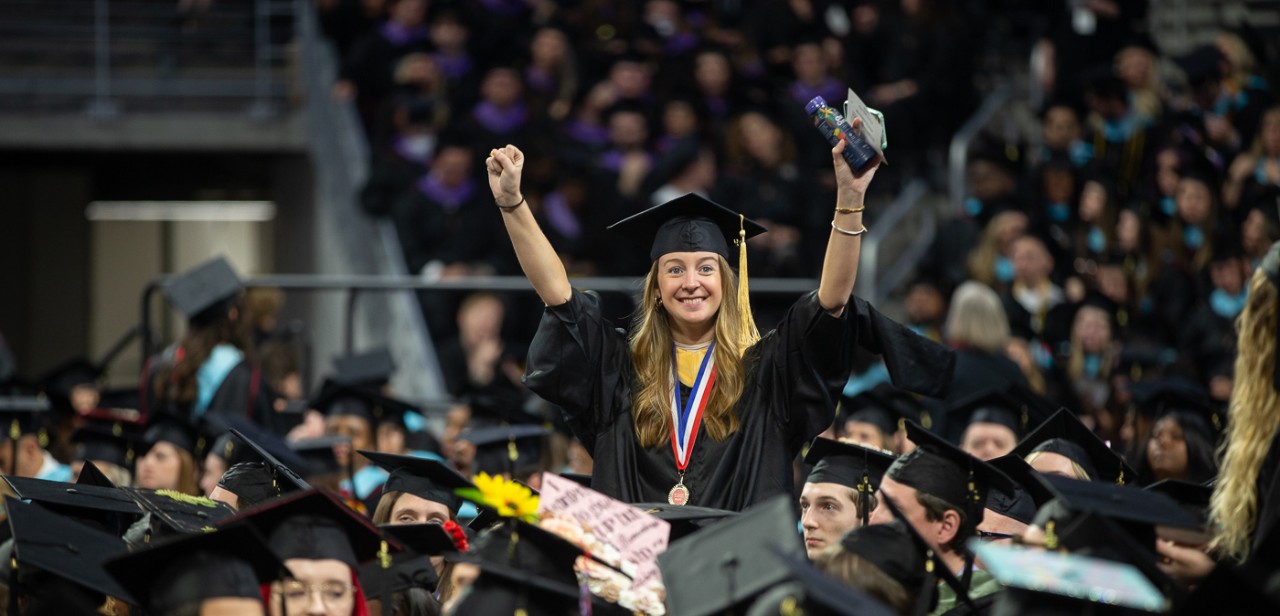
[(508, 207), (850, 210), (848, 232)]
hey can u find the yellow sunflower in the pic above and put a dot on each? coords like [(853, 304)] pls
[(505, 497)]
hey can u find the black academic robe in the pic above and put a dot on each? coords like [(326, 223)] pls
[(1268, 486), (581, 362)]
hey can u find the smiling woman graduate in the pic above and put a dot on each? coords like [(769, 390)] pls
[(695, 406)]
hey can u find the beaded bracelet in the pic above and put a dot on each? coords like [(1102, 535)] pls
[(848, 232)]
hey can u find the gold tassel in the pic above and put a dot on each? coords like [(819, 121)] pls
[(747, 332)]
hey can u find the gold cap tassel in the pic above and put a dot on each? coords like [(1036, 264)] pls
[(747, 332)]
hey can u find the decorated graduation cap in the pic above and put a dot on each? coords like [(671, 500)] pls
[(730, 563), (315, 525), (229, 562), (1093, 534), (1063, 434), (368, 369), (422, 477), (1027, 495), (898, 554), (938, 468), (684, 519), (512, 449), (692, 223), (1046, 582), (206, 292), (1016, 410), (46, 542), (853, 466), (170, 513)]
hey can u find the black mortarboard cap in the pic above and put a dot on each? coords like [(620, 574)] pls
[(406, 571), (59, 382), (63, 548), (176, 432), (363, 402), (1203, 64), (885, 407), (422, 477), (527, 555), (1027, 496), (1095, 535), (729, 563), (278, 458), (174, 513), (815, 593), (230, 562), (205, 292), (370, 369), (1160, 397), (1065, 435), (893, 550), (91, 475), (108, 509), (1193, 497), (938, 468), (506, 449), (429, 539), (933, 565), (116, 442), (315, 525), (847, 464), (1139, 511), (684, 519), (689, 223), (319, 455), (998, 406), (22, 414)]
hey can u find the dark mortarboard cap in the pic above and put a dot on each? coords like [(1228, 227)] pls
[(335, 399), (59, 382), (815, 593), (429, 539), (932, 565), (1193, 497), (729, 563), (370, 369), (174, 431), (1138, 510), (278, 459), (1160, 397), (527, 555), (108, 509), (885, 407), (22, 414), (684, 519), (319, 455), (506, 449), (205, 292), (892, 549), (689, 223), (997, 406), (174, 513), (1027, 496), (315, 525), (230, 562), (1064, 435), (1202, 65), (847, 464), (1095, 535), (64, 548), (116, 442), (422, 477), (91, 475), (406, 571), (578, 478), (938, 468)]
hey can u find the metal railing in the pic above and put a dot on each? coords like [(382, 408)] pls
[(958, 152), (134, 51), (875, 285)]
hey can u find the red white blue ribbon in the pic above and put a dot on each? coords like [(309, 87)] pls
[(685, 422)]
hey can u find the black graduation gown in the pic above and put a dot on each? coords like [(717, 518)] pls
[(1268, 486), (581, 362)]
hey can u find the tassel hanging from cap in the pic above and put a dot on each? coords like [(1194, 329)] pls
[(748, 334)]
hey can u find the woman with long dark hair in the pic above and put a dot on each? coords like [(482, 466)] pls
[(693, 406), (1180, 446)]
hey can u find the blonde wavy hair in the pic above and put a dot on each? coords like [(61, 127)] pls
[(1254, 413), (651, 345)]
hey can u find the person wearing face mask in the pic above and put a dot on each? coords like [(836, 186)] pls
[(1209, 337), (696, 407), (410, 149)]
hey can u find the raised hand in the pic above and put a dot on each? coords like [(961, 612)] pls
[(846, 182), (505, 166)]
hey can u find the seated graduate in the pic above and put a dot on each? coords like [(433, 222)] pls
[(941, 492), (839, 493), (694, 406), (25, 455)]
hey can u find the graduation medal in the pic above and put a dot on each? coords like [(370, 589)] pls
[(685, 422)]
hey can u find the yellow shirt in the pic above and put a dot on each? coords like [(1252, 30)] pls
[(688, 360)]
